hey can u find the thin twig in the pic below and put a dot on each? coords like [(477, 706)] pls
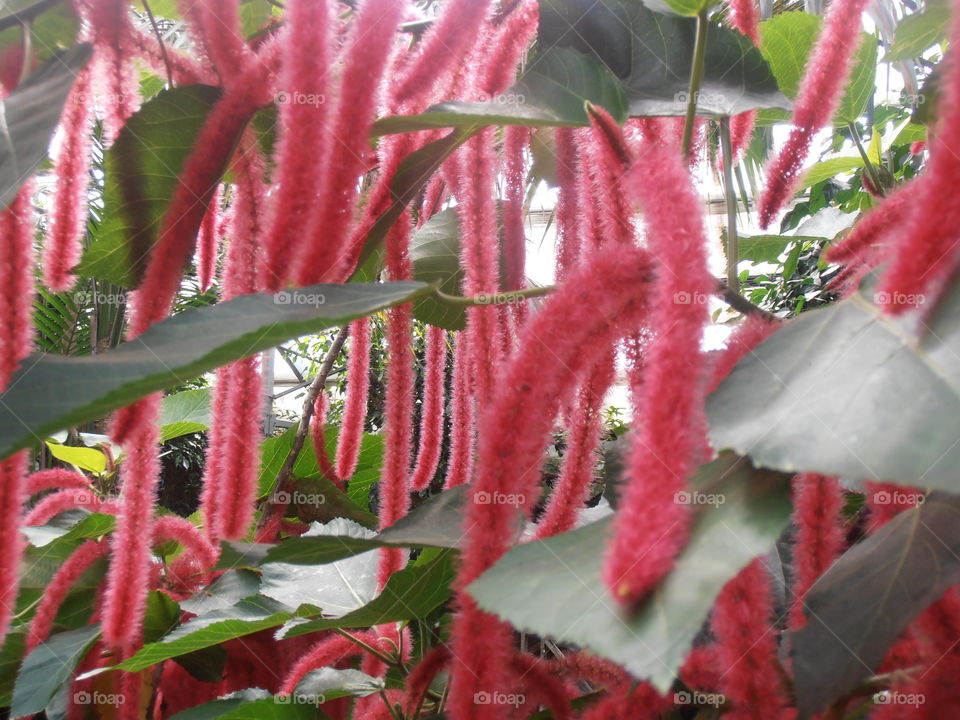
[(501, 298), (733, 245), (163, 47), (286, 471), (868, 165), (696, 79), (739, 303)]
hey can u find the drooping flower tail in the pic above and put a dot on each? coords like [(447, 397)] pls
[(431, 410), (355, 406), (821, 90), (462, 417), (652, 524)]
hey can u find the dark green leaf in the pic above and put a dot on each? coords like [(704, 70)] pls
[(142, 169), (767, 248), (833, 391), (652, 54), (162, 615), (553, 587), (51, 393), (552, 92), (53, 27), (49, 666), (435, 251), (237, 709), (30, 115), (205, 665), (228, 589), (862, 604)]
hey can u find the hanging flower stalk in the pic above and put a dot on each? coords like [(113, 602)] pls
[(925, 251), (114, 79), (569, 172), (207, 243), (318, 426), (56, 479), (599, 303), (462, 417), (652, 526), (68, 217), (431, 411), (742, 622), (216, 24), (302, 148), (355, 406)]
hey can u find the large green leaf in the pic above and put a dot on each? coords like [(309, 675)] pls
[(142, 170), (850, 391), (553, 91), (51, 393), (185, 412), (767, 248), (435, 251), (919, 31), (48, 667), (786, 42), (553, 587), (414, 592), (652, 54), (29, 116), (862, 604), (826, 169), (85, 458)]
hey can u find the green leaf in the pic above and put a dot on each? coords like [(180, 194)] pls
[(161, 616), (10, 656), (652, 53), (228, 589), (184, 413), (84, 458), (786, 42), (833, 391), (553, 587), (329, 683), (414, 592), (30, 115), (205, 665), (142, 169), (768, 248), (53, 27), (318, 499), (552, 92), (919, 31), (64, 529), (867, 598), (245, 618), (826, 169), (48, 667), (51, 393), (435, 252), (269, 708)]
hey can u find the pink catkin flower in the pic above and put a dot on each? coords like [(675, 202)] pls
[(216, 439), (819, 540), (68, 217), (821, 90), (56, 479), (611, 214), (58, 588), (580, 459), (926, 247), (741, 131), (541, 685), (325, 653), (885, 501), (12, 497), (207, 243), (216, 24), (446, 44), (318, 427), (419, 679), (181, 530), (632, 703), (569, 237), (600, 302), (742, 622), (462, 417), (745, 17), (301, 149), (398, 414), (355, 406), (16, 283), (61, 501), (516, 140), (431, 411), (129, 574), (650, 524), (517, 32), (114, 75), (364, 60)]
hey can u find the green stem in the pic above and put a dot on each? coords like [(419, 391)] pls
[(366, 646), (733, 244), (503, 298), (696, 79), (868, 166), (163, 48)]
